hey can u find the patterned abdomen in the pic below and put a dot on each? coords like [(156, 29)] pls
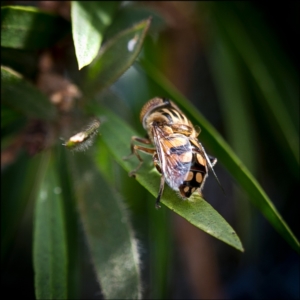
[(195, 177)]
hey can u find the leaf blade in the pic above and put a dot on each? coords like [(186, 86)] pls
[(49, 249), (252, 54), (17, 190), (225, 155), (195, 210), (109, 234), (19, 94), (29, 28), (116, 56), (89, 21)]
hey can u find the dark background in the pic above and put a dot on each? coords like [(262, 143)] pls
[(269, 268)]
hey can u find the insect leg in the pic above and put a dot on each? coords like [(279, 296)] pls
[(161, 189), (137, 139), (143, 149), (156, 162)]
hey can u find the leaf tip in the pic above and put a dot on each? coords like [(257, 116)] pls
[(239, 245), (82, 64), (148, 22)]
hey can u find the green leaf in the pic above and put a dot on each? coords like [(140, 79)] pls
[(18, 185), (109, 234), (8, 116), (22, 96), (73, 226), (162, 251), (250, 50), (235, 104), (89, 21), (225, 155), (30, 28), (11, 121), (49, 248), (22, 61), (12, 124), (236, 107), (132, 14), (197, 211), (116, 56)]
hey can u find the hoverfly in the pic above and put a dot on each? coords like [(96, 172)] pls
[(178, 155)]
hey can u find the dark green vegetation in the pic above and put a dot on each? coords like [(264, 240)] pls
[(76, 221)]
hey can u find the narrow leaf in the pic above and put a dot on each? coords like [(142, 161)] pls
[(89, 21), (132, 14), (236, 109), (195, 210), (49, 249), (18, 186), (12, 123), (162, 251), (249, 51), (235, 106), (116, 56), (8, 116), (109, 234), (225, 155), (22, 61), (29, 28), (22, 96), (73, 226)]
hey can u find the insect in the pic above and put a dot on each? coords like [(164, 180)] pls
[(178, 155), (83, 139)]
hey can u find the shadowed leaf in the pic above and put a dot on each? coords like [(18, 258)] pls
[(29, 28), (109, 234), (116, 56), (22, 96)]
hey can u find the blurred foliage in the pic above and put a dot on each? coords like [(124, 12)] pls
[(75, 225)]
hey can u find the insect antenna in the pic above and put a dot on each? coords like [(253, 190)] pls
[(212, 169)]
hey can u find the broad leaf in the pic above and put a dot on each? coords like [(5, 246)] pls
[(22, 96), (196, 210), (29, 28), (49, 251), (89, 21), (109, 234), (116, 56)]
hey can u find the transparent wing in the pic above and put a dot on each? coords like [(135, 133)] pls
[(175, 156)]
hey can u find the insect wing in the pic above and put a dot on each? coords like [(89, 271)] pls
[(175, 156)]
